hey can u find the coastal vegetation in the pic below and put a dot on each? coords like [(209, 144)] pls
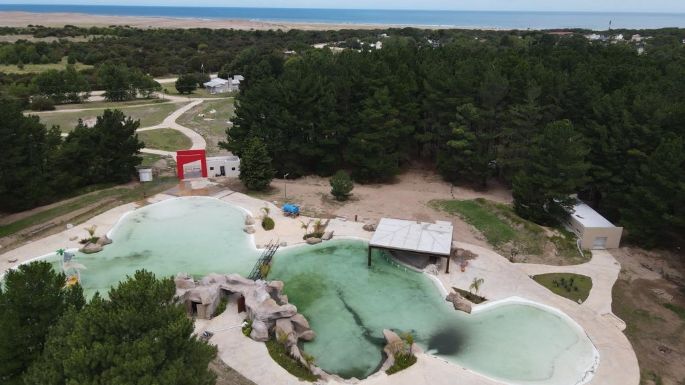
[(278, 352)]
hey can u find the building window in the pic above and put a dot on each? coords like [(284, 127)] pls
[(211, 168), (233, 168)]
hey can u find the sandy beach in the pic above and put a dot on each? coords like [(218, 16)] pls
[(23, 19)]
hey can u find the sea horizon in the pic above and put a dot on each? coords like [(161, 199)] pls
[(391, 17)]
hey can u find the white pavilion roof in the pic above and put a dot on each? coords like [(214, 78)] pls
[(430, 238)]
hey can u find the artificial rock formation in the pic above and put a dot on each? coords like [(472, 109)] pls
[(313, 240), (459, 302), (267, 307)]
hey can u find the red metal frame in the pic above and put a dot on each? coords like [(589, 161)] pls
[(188, 156)]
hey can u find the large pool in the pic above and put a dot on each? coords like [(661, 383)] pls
[(347, 303)]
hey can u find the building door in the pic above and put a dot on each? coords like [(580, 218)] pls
[(222, 170), (600, 243)]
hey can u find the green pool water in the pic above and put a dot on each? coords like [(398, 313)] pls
[(195, 235), (347, 304)]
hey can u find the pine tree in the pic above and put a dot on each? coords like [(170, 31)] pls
[(556, 168), (33, 300), (137, 336), (468, 154), (256, 171), (654, 211), (341, 185)]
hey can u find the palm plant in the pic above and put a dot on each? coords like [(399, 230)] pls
[(475, 285), (305, 226), (91, 230), (266, 210)]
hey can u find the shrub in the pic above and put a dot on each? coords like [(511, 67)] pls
[(247, 328), (186, 84), (268, 223), (278, 353), (256, 171), (341, 185), (221, 307), (42, 103), (402, 361)]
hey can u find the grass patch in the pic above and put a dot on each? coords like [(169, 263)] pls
[(149, 115), (150, 159), (165, 139), (402, 361), (506, 231), (495, 230), (572, 286), (37, 68), (213, 130), (679, 310), (280, 355), (221, 307), (121, 195)]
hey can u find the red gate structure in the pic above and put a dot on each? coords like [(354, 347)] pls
[(184, 157)]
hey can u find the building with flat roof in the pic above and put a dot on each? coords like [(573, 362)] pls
[(432, 239), (593, 230)]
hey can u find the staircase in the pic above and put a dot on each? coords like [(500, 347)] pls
[(264, 259)]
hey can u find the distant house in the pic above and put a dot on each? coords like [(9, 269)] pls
[(636, 38), (593, 230), (235, 83), (220, 86), (217, 86), (595, 37)]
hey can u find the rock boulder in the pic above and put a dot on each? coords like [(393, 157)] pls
[(104, 240), (313, 241), (91, 248), (459, 302)]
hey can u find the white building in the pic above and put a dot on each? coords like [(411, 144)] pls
[(593, 230), (227, 165), (220, 86), (636, 38), (217, 86)]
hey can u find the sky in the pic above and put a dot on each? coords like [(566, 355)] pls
[(503, 5)]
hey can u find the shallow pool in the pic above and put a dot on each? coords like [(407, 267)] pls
[(194, 235), (347, 304)]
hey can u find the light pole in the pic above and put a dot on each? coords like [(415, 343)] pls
[(285, 186)]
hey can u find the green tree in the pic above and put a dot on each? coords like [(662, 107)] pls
[(137, 336), (556, 168), (104, 153), (117, 81), (341, 185), (468, 153), (186, 84), (32, 301), (654, 211), (256, 171), (26, 147)]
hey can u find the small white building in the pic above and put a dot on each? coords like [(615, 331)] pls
[(593, 230), (217, 86), (227, 165)]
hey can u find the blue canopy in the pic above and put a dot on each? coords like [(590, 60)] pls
[(291, 208)]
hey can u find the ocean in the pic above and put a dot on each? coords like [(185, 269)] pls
[(461, 19)]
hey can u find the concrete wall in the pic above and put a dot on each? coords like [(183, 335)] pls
[(230, 163), (613, 235)]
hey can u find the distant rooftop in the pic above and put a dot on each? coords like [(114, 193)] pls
[(588, 217), (216, 82), (430, 238)]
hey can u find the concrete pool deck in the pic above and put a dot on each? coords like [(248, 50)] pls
[(618, 363)]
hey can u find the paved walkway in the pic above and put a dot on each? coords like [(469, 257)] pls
[(603, 269)]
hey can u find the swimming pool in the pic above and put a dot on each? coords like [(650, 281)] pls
[(347, 303)]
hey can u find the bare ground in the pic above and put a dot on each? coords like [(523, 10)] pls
[(648, 281), (406, 198)]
